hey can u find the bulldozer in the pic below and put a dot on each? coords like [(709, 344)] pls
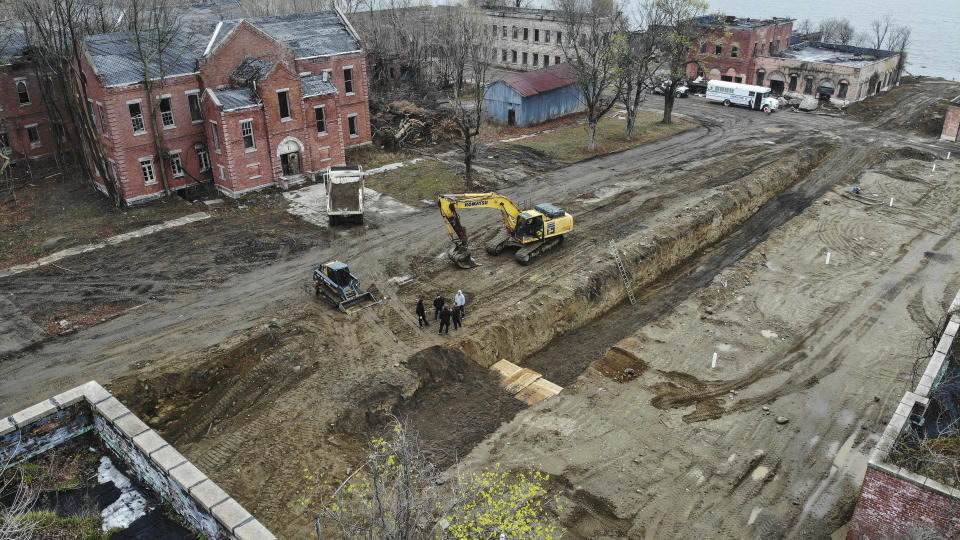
[(533, 232), (338, 286)]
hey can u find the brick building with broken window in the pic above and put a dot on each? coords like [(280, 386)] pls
[(249, 104), (729, 47)]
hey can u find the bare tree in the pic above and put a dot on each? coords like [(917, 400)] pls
[(54, 30), (16, 501), (677, 39), (154, 28), (836, 30), (639, 61), (398, 33), (592, 46), (464, 46)]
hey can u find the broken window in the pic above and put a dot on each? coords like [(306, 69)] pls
[(536, 57), (166, 112), (756, 48), (136, 118), (348, 80), (734, 51), (103, 120), (524, 58), (718, 50), (176, 165), (793, 82), (321, 120), (4, 140), (284, 103), (22, 93), (703, 48), (513, 55), (223, 173), (760, 75), (34, 135), (146, 168), (246, 130), (808, 86), (770, 48), (503, 58), (559, 37), (556, 59), (515, 30), (93, 118), (504, 30), (203, 157), (196, 114), (842, 89), (546, 60), (352, 125)]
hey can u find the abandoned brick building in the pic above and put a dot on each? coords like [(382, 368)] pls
[(251, 103), (760, 52)]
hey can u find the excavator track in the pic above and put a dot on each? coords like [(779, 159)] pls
[(528, 253)]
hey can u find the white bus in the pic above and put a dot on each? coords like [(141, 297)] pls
[(755, 97)]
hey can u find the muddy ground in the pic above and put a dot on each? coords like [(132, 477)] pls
[(254, 380)]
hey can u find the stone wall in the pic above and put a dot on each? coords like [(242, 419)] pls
[(157, 465), (894, 501)]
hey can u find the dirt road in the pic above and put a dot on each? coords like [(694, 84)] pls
[(239, 394)]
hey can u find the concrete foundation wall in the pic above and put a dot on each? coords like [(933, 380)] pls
[(157, 465)]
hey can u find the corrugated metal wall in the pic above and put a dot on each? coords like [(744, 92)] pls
[(536, 109)]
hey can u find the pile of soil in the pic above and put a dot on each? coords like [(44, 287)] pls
[(457, 405)]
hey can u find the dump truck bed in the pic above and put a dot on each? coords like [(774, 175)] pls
[(345, 197)]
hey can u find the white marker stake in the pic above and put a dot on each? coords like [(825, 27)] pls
[(934, 167), (891, 202), (948, 155), (713, 365), (828, 258)]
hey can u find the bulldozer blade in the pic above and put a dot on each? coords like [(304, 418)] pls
[(461, 257), (359, 302)]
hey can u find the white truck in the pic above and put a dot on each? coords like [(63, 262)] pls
[(731, 93), (344, 185)]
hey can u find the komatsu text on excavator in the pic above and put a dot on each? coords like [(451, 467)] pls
[(533, 232)]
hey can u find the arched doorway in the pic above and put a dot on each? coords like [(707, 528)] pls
[(825, 90), (730, 75), (776, 82), (290, 152)]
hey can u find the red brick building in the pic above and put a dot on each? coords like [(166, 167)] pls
[(730, 47), (951, 122), (252, 103), (26, 131)]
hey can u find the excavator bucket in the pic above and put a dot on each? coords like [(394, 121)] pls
[(461, 257), (361, 301)]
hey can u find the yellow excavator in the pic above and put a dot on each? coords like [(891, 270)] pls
[(533, 232)]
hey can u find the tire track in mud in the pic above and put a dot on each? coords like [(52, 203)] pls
[(583, 346)]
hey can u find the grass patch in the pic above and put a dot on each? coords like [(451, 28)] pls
[(568, 145), (58, 213), (417, 182), (50, 525), (370, 157)]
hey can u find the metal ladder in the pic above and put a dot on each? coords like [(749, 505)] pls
[(623, 273)]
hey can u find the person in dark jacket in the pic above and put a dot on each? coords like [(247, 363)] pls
[(437, 306), (445, 315), (421, 313), (455, 315)]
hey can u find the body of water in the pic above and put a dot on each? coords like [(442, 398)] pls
[(934, 47)]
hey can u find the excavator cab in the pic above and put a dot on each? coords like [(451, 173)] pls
[(529, 227)]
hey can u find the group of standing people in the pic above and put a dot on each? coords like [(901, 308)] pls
[(445, 314)]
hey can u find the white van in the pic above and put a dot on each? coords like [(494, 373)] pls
[(755, 97)]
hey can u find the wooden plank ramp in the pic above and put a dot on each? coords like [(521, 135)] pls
[(525, 384)]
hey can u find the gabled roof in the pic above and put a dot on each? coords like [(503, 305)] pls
[(320, 33), (237, 98), (531, 83), (316, 86), (115, 57)]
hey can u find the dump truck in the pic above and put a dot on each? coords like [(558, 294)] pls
[(344, 185), (334, 282)]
